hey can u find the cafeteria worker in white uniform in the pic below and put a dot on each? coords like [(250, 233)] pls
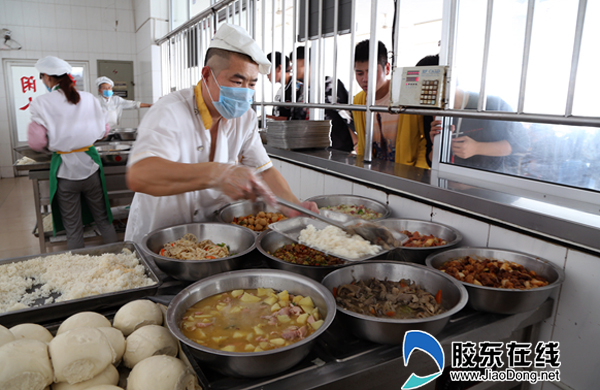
[(199, 148), (112, 105), (68, 122)]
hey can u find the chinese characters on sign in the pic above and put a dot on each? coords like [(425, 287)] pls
[(26, 87), (482, 361)]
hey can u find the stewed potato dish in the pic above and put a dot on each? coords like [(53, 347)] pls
[(251, 320)]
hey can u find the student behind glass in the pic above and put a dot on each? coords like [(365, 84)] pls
[(398, 138), (286, 113), (343, 136)]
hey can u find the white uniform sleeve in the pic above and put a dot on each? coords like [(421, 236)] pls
[(253, 153), (158, 135), (35, 109), (127, 104)]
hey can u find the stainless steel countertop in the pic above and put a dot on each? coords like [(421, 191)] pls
[(569, 222)]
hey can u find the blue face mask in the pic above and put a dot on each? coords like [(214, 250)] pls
[(48, 88), (233, 102), (107, 93)]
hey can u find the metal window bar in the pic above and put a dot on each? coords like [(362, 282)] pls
[(307, 97), (320, 63), (336, 10), (273, 81), (293, 57), (526, 53), (283, 64), (352, 46), (575, 57), (481, 103), (373, 46)]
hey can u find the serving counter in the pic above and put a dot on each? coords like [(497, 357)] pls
[(547, 215)]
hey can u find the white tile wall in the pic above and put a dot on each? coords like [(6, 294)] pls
[(336, 185), (578, 321), (368, 192), (408, 209), (474, 232), (311, 184), (291, 173), (83, 30)]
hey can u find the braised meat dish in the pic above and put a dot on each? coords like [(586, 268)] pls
[(383, 298), (493, 273), (303, 255), (416, 239)]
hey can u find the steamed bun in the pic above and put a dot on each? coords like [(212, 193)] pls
[(85, 319), (80, 354), (148, 341), (25, 365), (136, 314), (6, 336), (117, 341), (110, 376), (31, 331), (161, 373)]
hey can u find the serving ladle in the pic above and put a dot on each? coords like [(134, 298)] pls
[(375, 234)]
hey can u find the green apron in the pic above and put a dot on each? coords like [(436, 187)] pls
[(85, 212)]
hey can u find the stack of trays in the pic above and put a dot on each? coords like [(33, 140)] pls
[(298, 134)]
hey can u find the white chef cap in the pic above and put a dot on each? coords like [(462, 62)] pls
[(234, 38), (53, 66), (104, 80)]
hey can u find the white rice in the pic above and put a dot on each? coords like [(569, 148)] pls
[(62, 277), (333, 240)]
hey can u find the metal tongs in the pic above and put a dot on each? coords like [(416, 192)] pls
[(372, 232)]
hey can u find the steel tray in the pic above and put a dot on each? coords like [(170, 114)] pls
[(292, 227), (58, 310)]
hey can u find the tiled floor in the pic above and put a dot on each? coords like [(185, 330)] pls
[(17, 218)]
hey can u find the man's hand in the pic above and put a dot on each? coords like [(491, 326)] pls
[(465, 147), (311, 206), (239, 182)]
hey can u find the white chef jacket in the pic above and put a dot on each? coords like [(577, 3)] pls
[(173, 130), (113, 108), (70, 127)]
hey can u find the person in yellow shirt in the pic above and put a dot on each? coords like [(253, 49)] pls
[(399, 138)]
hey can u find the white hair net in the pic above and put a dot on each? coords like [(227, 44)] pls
[(104, 80), (53, 66), (234, 38)]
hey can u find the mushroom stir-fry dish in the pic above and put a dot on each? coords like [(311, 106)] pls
[(399, 300), (493, 273)]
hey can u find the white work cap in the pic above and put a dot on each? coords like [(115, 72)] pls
[(234, 38), (104, 80), (53, 66)]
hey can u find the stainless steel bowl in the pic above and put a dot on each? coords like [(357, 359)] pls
[(241, 209), (125, 134), (114, 152), (415, 254), (252, 364), (336, 200), (241, 241), (502, 300), (270, 241), (391, 331)]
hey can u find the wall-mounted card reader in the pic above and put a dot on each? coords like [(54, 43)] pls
[(420, 86)]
